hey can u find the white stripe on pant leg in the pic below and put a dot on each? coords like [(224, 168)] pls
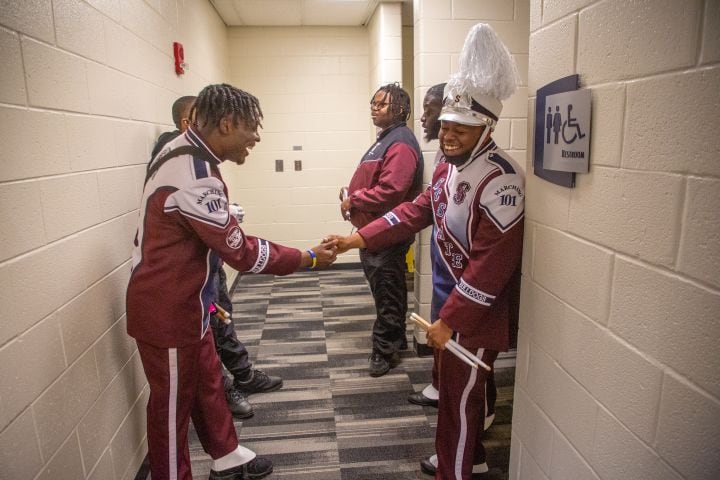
[(172, 414), (485, 403), (462, 440)]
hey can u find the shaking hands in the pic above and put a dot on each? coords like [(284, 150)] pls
[(343, 244), (326, 253), (321, 255)]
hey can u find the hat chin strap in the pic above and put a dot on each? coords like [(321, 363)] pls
[(483, 136)]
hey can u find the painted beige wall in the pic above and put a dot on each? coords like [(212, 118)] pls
[(313, 87), (440, 30), (618, 367), (85, 88)]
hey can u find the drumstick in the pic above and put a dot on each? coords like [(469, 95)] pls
[(424, 325), (222, 313), (459, 351)]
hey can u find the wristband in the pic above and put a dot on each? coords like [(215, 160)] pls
[(314, 259)]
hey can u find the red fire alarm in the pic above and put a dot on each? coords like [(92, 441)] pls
[(179, 54)]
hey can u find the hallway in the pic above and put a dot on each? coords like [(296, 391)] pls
[(331, 420)]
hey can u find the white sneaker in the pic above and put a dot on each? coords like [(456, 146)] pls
[(429, 466), (481, 468)]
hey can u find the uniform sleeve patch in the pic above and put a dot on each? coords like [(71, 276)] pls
[(263, 256), (503, 199), (234, 238), (391, 218), (203, 200), (472, 293)]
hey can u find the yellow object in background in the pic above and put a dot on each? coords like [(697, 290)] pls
[(410, 259)]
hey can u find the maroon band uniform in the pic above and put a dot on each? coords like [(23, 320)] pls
[(183, 231), (477, 209)]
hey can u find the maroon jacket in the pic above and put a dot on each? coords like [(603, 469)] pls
[(184, 230), (389, 173)]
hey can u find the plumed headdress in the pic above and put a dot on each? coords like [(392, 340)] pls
[(488, 74)]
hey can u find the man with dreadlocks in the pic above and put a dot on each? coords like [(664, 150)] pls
[(183, 231), (233, 353), (476, 205), (389, 173)]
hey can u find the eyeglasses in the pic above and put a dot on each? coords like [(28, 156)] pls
[(378, 105)]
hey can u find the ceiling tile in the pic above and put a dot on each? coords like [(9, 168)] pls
[(299, 12), (269, 12), (226, 10), (336, 12)]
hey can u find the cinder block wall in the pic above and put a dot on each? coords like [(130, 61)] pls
[(439, 34), (618, 366), (385, 33), (85, 88), (313, 87)]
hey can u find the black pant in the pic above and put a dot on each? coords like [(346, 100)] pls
[(385, 272), (231, 351)]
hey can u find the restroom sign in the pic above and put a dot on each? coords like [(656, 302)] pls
[(566, 131)]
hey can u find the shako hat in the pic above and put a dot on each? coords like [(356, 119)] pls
[(487, 75)]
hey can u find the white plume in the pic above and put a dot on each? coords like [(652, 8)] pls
[(486, 65)]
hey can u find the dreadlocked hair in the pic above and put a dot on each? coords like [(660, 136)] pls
[(399, 100), (215, 102)]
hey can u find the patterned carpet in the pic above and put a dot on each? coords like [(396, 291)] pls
[(331, 420)]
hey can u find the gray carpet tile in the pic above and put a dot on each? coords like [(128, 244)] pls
[(331, 420)]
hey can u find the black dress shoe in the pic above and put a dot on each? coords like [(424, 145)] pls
[(258, 382), (256, 468), (238, 404), (419, 399), (380, 364)]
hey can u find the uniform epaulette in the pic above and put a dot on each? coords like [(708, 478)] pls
[(503, 164)]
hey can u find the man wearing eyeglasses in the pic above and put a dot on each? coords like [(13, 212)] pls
[(389, 174)]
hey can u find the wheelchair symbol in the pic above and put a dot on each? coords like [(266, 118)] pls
[(571, 123), (555, 124)]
